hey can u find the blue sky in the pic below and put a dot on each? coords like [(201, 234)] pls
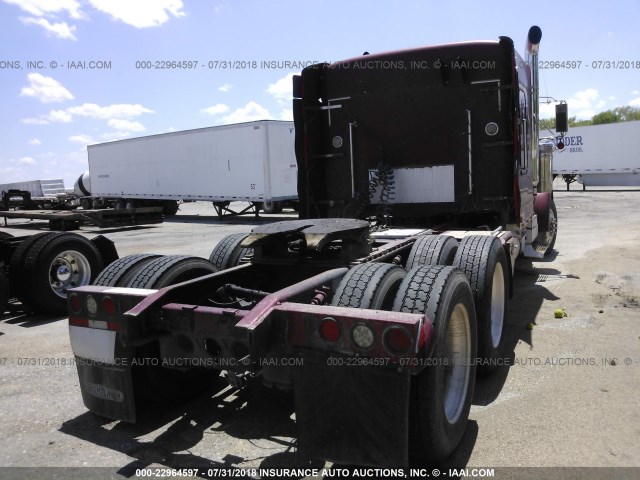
[(52, 108)]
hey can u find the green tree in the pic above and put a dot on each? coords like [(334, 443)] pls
[(618, 114)]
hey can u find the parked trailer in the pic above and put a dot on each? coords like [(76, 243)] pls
[(600, 155), (249, 162), (378, 330), (105, 218), (37, 188), (39, 269)]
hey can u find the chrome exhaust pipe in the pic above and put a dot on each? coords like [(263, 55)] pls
[(533, 45)]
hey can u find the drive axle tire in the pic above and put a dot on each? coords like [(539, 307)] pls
[(154, 382), (369, 285), (120, 272), (15, 263), (169, 270), (484, 261), (228, 252), (432, 250), (441, 393), (53, 264)]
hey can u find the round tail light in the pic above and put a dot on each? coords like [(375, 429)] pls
[(75, 303), (330, 330), (109, 306), (397, 340), (363, 336)]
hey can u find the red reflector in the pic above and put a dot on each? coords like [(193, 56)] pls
[(398, 340), (78, 322), (108, 306), (330, 330), (75, 303)]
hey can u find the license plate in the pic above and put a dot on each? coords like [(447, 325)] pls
[(93, 344)]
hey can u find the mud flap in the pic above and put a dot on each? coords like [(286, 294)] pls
[(353, 414), (107, 390)]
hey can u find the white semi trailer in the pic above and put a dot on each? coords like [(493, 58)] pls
[(37, 188), (600, 155), (248, 162)]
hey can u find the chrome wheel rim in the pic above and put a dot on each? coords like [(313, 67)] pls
[(497, 305), (457, 363), (69, 269)]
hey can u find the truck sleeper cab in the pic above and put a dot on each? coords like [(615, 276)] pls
[(381, 328)]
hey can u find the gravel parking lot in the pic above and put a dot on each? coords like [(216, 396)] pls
[(568, 399)]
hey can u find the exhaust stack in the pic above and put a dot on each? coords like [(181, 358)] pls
[(533, 44)]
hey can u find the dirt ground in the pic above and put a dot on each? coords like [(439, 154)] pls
[(568, 396)]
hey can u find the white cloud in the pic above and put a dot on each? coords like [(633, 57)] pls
[(93, 110), (35, 141), (45, 89), (125, 125), (116, 115), (34, 121), (41, 8), (225, 88), (27, 161), (59, 116), (250, 112), (286, 114), (282, 90), (635, 102), (59, 30), (216, 109), (140, 13), (583, 105), (635, 92), (81, 139)]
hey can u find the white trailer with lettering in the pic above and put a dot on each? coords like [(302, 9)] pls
[(600, 155), (250, 162)]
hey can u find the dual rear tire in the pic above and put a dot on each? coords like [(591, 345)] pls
[(152, 381), (45, 266), (440, 395), (463, 289)]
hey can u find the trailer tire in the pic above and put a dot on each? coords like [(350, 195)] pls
[(170, 207), (271, 207), (156, 383), (120, 272), (53, 264), (369, 285), (169, 270), (432, 250), (441, 393), (484, 261), (228, 252)]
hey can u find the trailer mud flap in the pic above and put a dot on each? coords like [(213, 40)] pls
[(353, 414), (107, 390)]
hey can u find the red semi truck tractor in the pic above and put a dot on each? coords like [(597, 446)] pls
[(421, 181)]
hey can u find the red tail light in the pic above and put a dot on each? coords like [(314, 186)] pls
[(397, 340), (75, 303), (330, 330), (109, 306)]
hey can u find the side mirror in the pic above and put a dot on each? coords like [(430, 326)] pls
[(562, 118)]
